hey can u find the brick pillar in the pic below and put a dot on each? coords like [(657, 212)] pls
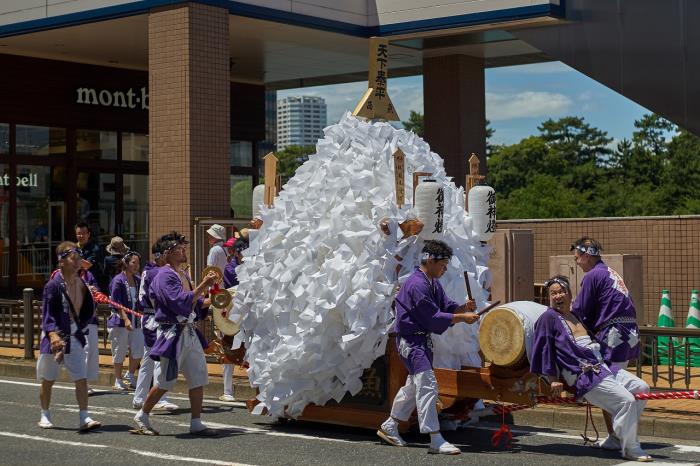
[(455, 111), (189, 116)]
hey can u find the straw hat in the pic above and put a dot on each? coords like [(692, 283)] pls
[(116, 246)]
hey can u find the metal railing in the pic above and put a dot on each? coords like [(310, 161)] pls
[(20, 322), (654, 353), (18, 326)]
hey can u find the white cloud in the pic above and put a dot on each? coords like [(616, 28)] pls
[(340, 98), (528, 104)]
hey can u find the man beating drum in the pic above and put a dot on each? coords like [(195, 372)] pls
[(423, 308), (563, 347), (605, 307)]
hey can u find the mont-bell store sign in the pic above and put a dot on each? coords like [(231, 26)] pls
[(127, 99)]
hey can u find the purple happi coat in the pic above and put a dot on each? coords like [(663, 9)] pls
[(89, 280), (605, 307), (56, 314), (149, 273), (170, 301), (119, 292), (555, 353), (422, 308), (230, 278)]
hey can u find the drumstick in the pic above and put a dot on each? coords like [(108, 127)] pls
[(469, 287), (488, 308)]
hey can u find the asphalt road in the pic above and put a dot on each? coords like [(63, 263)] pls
[(255, 440)]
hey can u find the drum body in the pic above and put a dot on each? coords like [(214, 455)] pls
[(506, 333)]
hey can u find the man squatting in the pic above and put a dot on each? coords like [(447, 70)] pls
[(563, 348)]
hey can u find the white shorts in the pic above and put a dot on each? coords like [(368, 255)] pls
[(621, 364), (92, 352), (47, 368), (123, 340), (191, 363)]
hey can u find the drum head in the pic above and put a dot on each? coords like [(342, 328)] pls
[(502, 337)]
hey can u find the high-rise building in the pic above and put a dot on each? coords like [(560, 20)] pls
[(300, 121)]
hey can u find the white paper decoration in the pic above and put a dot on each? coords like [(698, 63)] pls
[(318, 280), (482, 210)]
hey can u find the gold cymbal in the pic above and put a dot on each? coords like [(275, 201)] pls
[(221, 320), (213, 268), (221, 300)]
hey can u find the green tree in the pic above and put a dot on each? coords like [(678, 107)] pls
[(681, 178), (241, 198), (512, 167), (576, 140), (543, 197), (291, 158), (415, 123)]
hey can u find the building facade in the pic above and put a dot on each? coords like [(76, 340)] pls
[(143, 116), (300, 121)]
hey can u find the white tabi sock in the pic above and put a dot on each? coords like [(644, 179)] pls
[(45, 415), (196, 425), (436, 440), (389, 424), (84, 417)]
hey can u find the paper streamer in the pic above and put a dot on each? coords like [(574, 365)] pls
[(318, 279)]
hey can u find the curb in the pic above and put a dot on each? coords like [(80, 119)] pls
[(26, 369), (541, 417), (575, 419)]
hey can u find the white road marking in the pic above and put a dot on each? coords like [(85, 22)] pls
[(50, 440), (104, 410), (238, 404), (130, 450), (30, 384), (656, 463), (530, 432), (119, 412), (687, 449), (256, 430)]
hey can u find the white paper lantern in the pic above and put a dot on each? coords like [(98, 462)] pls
[(482, 210), (430, 204), (258, 199)]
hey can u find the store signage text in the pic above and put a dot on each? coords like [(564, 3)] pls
[(30, 180), (119, 99)]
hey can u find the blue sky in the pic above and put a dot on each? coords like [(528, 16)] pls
[(518, 98)]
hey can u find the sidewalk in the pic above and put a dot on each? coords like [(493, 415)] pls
[(678, 419)]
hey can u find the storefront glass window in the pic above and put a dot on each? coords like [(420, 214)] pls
[(241, 196), (98, 145), (96, 204), (4, 138), (4, 226), (135, 147), (41, 216), (241, 153), (39, 140), (136, 214)]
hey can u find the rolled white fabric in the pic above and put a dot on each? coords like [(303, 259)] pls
[(482, 210), (258, 199), (430, 204)]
